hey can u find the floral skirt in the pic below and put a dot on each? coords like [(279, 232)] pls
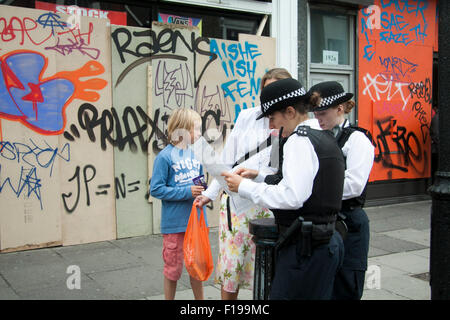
[(236, 260)]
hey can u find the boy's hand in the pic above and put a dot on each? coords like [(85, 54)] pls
[(201, 200), (196, 190), (247, 173)]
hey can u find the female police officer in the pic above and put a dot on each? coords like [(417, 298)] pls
[(305, 201), (359, 154)]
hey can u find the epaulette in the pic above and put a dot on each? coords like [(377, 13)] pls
[(302, 131), (347, 131)]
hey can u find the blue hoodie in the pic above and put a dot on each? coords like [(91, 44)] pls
[(173, 171)]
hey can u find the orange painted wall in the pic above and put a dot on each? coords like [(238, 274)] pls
[(395, 63)]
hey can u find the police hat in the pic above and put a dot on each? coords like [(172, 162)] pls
[(332, 94), (279, 95)]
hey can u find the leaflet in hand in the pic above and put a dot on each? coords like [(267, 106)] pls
[(214, 166)]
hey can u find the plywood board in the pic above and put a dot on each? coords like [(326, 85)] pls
[(395, 87), (53, 71), (87, 185), (30, 154), (129, 83)]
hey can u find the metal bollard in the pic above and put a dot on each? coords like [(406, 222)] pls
[(265, 235)]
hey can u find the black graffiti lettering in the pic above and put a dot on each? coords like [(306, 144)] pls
[(139, 131), (135, 125), (216, 117), (421, 90), (144, 46), (409, 150), (88, 123), (421, 115), (86, 180), (153, 124), (120, 131), (107, 128), (120, 188), (384, 153), (68, 195), (164, 45), (122, 47)]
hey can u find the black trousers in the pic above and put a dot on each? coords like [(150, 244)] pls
[(307, 278), (349, 282)]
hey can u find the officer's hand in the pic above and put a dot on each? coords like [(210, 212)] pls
[(196, 190), (201, 200), (233, 180), (247, 173)]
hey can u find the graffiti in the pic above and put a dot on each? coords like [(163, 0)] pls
[(239, 66), (409, 150), (393, 24), (39, 103), (21, 28), (81, 46), (120, 186), (159, 47), (211, 101), (27, 29), (421, 115), (213, 134), (28, 184), (109, 123), (397, 69), (34, 155), (377, 86), (174, 85), (85, 178), (394, 108), (51, 20), (411, 6), (421, 90)]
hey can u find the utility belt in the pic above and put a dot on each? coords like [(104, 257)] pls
[(311, 235)]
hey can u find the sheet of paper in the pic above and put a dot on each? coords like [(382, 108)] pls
[(214, 165)]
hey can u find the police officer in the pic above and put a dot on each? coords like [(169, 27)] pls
[(359, 155), (306, 199)]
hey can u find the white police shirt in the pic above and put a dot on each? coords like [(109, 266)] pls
[(247, 134), (300, 166), (359, 153)]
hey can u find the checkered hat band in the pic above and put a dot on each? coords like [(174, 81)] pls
[(293, 94), (329, 100)]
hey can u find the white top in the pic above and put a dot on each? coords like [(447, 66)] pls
[(359, 152), (247, 134), (300, 166)]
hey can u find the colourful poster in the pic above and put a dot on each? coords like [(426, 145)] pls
[(170, 18)]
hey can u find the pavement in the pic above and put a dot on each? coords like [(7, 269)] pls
[(131, 269)]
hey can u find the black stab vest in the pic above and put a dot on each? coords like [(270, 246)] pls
[(342, 138), (326, 198)]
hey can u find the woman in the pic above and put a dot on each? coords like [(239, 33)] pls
[(305, 201), (235, 265), (358, 152)]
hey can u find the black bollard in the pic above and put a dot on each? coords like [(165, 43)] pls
[(265, 235)]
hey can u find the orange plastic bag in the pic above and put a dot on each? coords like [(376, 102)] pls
[(196, 247)]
